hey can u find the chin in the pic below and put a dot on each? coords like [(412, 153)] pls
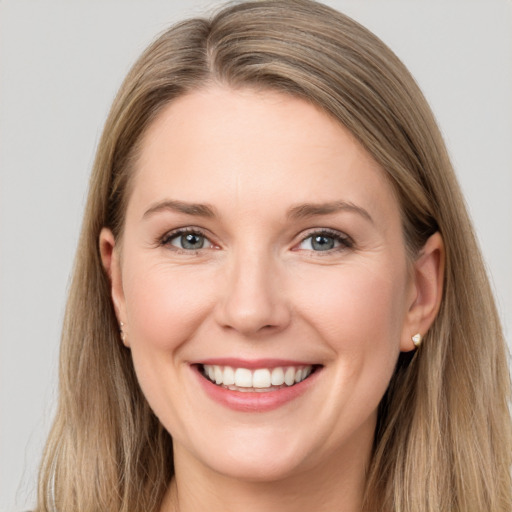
[(253, 457), (257, 469)]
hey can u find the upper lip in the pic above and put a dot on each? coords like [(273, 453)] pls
[(253, 364)]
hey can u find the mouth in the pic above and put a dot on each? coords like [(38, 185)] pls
[(260, 380)]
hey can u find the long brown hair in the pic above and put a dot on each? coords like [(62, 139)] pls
[(443, 440)]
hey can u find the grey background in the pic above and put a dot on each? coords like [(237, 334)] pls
[(61, 63)]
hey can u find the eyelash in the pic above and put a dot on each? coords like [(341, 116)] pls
[(168, 237), (344, 241)]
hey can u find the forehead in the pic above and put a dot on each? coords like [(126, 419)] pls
[(256, 148)]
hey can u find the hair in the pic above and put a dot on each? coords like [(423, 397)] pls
[(443, 439)]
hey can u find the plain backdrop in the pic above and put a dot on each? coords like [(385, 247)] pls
[(61, 63)]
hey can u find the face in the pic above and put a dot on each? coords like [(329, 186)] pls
[(263, 283)]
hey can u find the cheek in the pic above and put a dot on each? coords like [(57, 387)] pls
[(359, 313), (164, 305), (164, 309), (355, 306)]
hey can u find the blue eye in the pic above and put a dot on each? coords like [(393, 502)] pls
[(324, 241), (187, 240), (190, 241)]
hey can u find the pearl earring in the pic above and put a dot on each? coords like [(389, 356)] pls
[(123, 334), (416, 339)]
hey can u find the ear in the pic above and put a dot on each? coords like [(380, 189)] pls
[(110, 258), (426, 291)]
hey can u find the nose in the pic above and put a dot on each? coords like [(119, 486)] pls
[(253, 301)]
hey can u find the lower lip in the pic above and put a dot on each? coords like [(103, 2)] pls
[(254, 401)]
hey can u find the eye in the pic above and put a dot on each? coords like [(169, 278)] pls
[(325, 241), (187, 240)]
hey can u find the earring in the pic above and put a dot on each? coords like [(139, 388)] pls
[(416, 339), (123, 334)]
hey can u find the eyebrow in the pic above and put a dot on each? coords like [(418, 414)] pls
[(307, 210), (301, 211), (200, 210)]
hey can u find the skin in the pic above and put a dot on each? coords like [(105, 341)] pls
[(260, 289)]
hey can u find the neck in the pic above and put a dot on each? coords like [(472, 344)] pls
[(335, 485)]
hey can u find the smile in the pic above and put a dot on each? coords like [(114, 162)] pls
[(258, 380)]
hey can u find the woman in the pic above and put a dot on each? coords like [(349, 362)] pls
[(278, 300)]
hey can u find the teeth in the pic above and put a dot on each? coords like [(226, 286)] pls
[(261, 379), (243, 379), (289, 376), (277, 377), (228, 376)]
